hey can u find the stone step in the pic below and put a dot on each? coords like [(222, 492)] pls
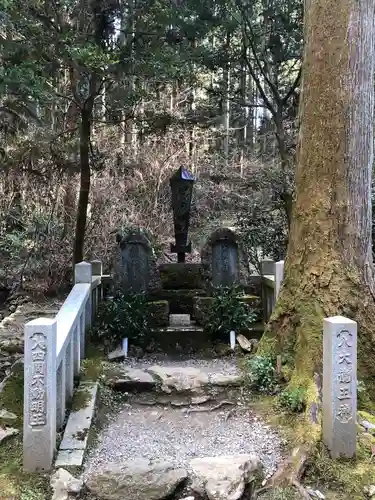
[(181, 339), (191, 385), (179, 320)]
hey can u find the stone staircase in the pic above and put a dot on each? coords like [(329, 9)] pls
[(181, 429)]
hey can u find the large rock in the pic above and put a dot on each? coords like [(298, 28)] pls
[(226, 379), (129, 379), (180, 379), (6, 432), (225, 477), (64, 485), (139, 479)]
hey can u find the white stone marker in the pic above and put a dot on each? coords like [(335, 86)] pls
[(39, 428), (340, 386), (279, 276)]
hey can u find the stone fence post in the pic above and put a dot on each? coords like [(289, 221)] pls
[(279, 276), (83, 274), (39, 429), (340, 386), (97, 294)]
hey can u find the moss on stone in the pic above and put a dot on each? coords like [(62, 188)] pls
[(11, 397), (201, 307), (346, 477), (158, 313), (364, 415), (81, 399), (340, 479), (14, 483), (92, 365), (180, 301), (177, 276), (287, 493)]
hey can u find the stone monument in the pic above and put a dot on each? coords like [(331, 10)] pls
[(134, 269), (340, 386), (221, 256), (181, 183)]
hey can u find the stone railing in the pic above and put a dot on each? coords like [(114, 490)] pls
[(272, 277), (53, 352)]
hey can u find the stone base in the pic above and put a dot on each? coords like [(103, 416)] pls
[(182, 276), (180, 339), (180, 301), (179, 320), (158, 312), (74, 443)]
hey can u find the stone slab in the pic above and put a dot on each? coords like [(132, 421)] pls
[(128, 379), (70, 458), (137, 479), (179, 320), (79, 422), (179, 379), (224, 477)]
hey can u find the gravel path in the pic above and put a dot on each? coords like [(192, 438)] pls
[(177, 435)]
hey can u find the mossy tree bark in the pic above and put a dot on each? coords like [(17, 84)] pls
[(329, 268)]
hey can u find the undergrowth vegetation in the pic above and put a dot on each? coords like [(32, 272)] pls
[(228, 312), (124, 316)]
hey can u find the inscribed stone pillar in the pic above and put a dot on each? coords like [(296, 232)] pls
[(39, 434), (340, 386)]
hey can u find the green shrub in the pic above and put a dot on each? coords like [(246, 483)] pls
[(227, 312), (261, 374), (292, 400), (124, 316)]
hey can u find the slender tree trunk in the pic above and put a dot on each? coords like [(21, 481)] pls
[(245, 133), (192, 105), (329, 268), (226, 102), (84, 189)]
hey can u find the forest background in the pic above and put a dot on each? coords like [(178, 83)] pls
[(101, 101)]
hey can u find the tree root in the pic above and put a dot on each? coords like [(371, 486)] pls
[(289, 472), (213, 408)]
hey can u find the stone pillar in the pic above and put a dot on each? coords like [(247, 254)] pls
[(267, 268), (279, 276), (83, 274), (39, 430), (340, 386), (97, 268)]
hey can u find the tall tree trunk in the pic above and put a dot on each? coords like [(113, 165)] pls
[(329, 269), (84, 189), (245, 133), (226, 101), (192, 106)]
